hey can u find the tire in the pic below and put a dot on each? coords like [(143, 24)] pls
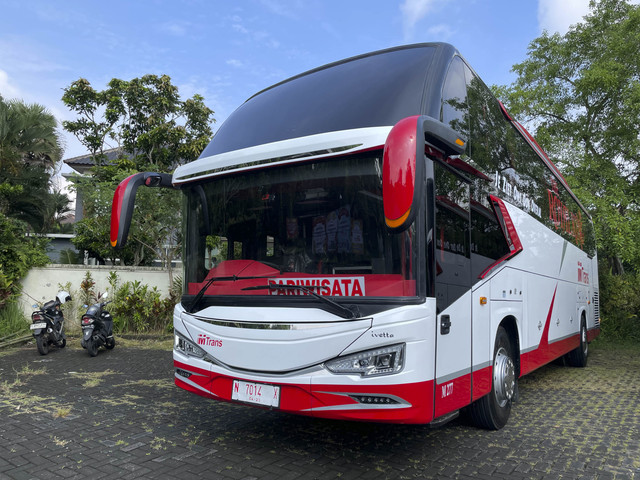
[(492, 411), (62, 343), (579, 356), (42, 342), (92, 348), (111, 342)]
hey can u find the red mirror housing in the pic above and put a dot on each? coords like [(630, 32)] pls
[(123, 201), (400, 170), (403, 165)]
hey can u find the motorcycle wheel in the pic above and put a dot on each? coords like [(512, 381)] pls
[(42, 342), (62, 343), (111, 342), (92, 348)]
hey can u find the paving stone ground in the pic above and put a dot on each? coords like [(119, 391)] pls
[(119, 415)]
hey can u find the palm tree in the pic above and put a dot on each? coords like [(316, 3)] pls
[(28, 134), (30, 146)]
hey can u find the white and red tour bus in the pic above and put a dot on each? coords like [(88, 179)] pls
[(378, 240)]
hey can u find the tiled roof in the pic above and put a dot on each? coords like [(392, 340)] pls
[(82, 163)]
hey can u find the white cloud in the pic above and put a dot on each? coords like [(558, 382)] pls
[(240, 28), (283, 9), (558, 16), (440, 32), (176, 28), (7, 90), (413, 11), (234, 62)]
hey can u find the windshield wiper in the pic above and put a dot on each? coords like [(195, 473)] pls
[(340, 310), (232, 278)]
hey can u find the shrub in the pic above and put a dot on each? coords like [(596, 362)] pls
[(137, 308), (12, 320), (18, 253), (69, 256), (620, 306)]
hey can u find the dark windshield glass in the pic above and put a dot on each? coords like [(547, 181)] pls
[(319, 225), (369, 91)]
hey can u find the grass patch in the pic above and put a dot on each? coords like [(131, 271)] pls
[(27, 371), (62, 412), (13, 320), (158, 383), (610, 343), (21, 402), (152, 343), (59, 442), (128, 400), (93, 379), (159, 443)]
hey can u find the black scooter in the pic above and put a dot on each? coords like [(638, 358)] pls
[(97, 328), (48, 323)]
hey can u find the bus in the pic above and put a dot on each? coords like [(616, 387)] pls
[(377, 240)]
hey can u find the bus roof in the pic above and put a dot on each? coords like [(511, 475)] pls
[(371, 90)]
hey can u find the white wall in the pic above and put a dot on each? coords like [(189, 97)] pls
[(42, 284)]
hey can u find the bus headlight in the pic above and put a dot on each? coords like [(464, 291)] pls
[(379, 361), (187, 347)]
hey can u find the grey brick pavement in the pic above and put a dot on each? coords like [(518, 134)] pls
[(68, 416)]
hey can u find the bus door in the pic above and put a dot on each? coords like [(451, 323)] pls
[(453, 291)]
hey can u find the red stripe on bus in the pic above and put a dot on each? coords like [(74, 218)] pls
[(415, 400)]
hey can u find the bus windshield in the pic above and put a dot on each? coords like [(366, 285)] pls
[(319, 225)]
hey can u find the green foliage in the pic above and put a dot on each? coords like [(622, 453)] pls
[(620, 306), (12, 320), (156, 131), (582, 92), (29, 149), (137, 308), (144, 115), (18, 253), (27, 132), (68, 256), (88, 294)]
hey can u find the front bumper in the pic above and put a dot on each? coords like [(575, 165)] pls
[(317, 394)]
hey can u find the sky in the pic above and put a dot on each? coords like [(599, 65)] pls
[(228, 50)]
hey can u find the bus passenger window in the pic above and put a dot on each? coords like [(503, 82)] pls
[(487, 240)]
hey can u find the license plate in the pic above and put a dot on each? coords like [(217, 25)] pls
[(257, 393), (35, 326)]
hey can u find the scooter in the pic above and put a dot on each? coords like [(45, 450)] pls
[(97, 328), (48, 323)]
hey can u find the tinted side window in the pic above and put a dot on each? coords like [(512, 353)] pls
[(454, 110), (487, 145), (452, 238), (487, 240)]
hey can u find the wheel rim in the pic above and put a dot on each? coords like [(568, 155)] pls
[(504, 377), (583, 339)]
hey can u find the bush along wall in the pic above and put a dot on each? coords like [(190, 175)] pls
[(135, 307)]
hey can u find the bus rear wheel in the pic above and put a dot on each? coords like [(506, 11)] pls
[(492, 411), (579, 356)]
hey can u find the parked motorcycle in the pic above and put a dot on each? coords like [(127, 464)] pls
[(48, 323), (97, 328)]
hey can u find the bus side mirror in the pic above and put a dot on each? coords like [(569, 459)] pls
[(403, 165), (123, 201)]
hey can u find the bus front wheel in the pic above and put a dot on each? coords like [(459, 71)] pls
[(492, 411)]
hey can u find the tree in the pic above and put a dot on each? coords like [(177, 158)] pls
[(152, 129), (18, 253), (30, 147), (581, 94), (28, 134), (143, 117)]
